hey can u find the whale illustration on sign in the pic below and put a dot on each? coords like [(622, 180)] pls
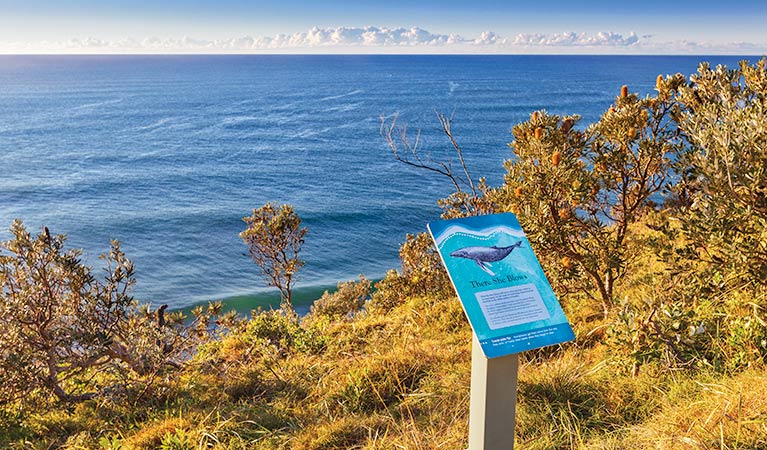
[(483, 256)]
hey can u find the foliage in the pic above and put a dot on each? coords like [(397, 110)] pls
[(575, 192), (722, 207), (422, 274), (667, 320), (578, 192), (655, 214), (400, 379), (275, 329), (57, 320), (347, 300), (707, 305), (274, 238), (64, 332)]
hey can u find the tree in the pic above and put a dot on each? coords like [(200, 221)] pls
[(274, 238), (66, 333), (722, 191), (56, 319), (578, 193)]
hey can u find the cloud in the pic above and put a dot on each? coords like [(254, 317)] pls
[(372, 39), (603, 38), (570, 39), (353, 36)]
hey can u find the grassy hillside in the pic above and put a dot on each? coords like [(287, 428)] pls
[(400, 379)]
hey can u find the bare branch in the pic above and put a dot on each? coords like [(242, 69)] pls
[(446, 123)]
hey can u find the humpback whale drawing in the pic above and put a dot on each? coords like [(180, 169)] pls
[(483, 256)]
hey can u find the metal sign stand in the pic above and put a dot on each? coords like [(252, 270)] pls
[(493, 401)]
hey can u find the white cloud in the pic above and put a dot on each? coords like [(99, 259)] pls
[(372, 39), (354, 36), (571, 39)]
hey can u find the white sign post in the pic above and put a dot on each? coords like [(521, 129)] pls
[(511, 308), (493, 400)]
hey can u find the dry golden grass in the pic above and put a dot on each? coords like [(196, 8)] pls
[(400, 380), (722, 414)]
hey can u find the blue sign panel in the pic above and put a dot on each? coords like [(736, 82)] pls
[(501, 285)]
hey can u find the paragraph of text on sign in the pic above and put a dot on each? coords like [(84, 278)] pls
[(512, 306)]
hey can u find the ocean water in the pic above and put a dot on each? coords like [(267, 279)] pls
[(168, 153)]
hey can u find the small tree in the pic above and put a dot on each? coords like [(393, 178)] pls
[(274, 238), (56, 319), (578, 193), (68, 334)]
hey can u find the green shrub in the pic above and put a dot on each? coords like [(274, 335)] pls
[(177, 440), (389, 293), (282, 332), (422, 275), (348, 299), (722, 192), (578, 193)]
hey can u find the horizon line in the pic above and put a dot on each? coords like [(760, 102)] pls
[(763, 55)]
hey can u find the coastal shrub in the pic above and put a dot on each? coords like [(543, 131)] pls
[(348, 299), (422, 267), (66, 333), (678, 363), (389, 293), (669, 331), (274, 237), (668, 190), (722, 190), (422, 274), (277, 329), (57, 320), (577, 192), (702, 302), (682, 328)]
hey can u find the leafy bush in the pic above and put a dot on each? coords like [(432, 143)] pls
[(276, 329), (669, 190), (64, 332), (708, 307), (722, 192), (57, 320), (577, 193), (348, 299), (422, 274)]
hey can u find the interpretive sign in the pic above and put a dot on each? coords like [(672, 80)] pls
[(506, 296)]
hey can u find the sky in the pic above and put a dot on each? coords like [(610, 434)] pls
[(393, 26)]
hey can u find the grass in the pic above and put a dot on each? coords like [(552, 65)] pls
[(400, 380)]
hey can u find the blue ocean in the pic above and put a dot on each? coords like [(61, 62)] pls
[(167, 153)]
